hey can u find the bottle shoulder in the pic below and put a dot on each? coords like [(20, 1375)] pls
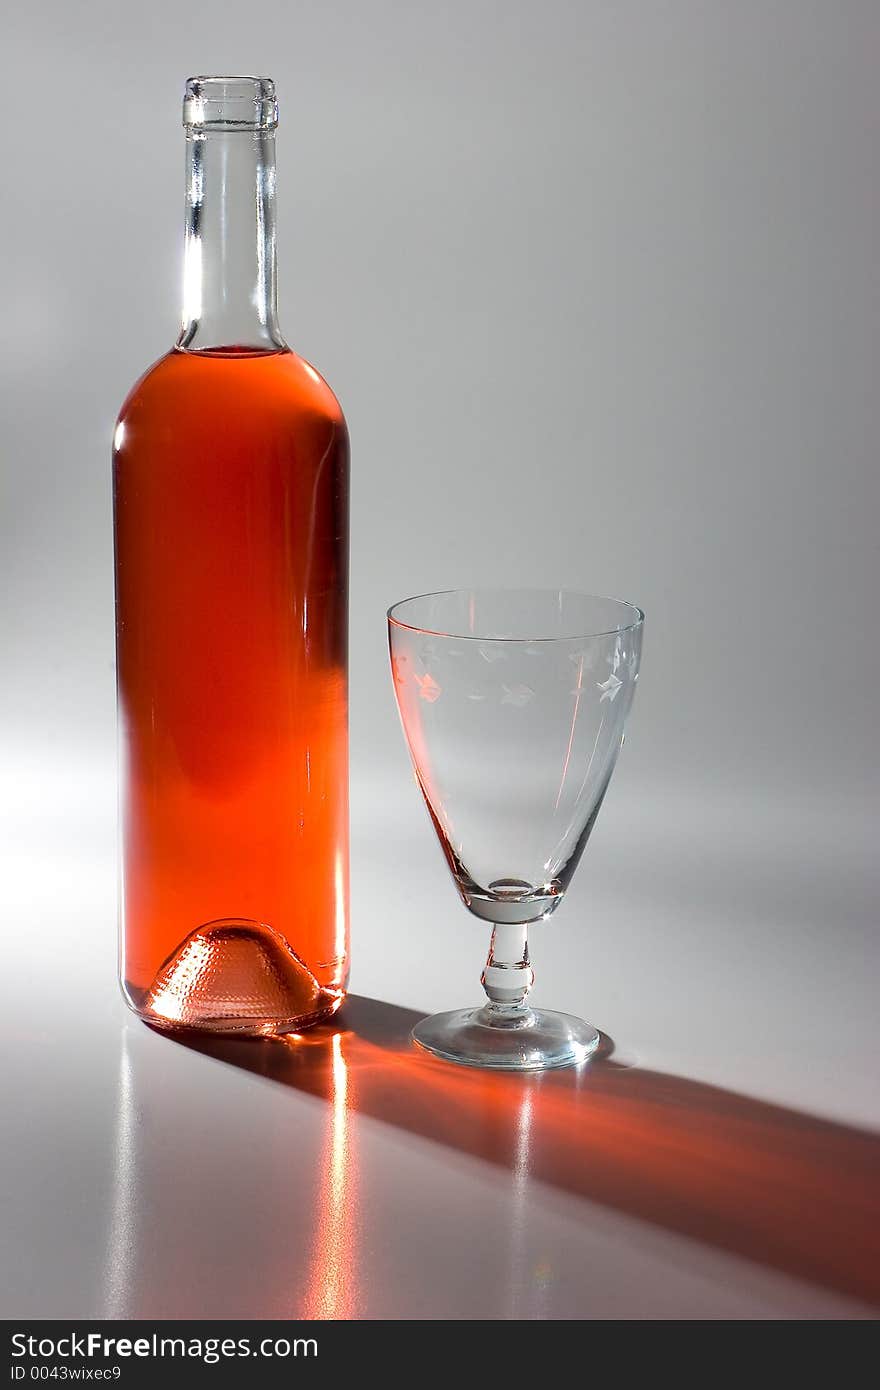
[(228, 379)]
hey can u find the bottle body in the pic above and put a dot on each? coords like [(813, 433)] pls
[(230, 481)]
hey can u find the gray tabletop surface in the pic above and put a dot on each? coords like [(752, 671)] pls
[(718, 1160)]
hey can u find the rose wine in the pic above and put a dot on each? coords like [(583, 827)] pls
[(231, 527)]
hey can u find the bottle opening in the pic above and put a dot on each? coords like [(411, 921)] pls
[(230, 103)]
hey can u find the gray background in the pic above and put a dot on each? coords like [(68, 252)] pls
[(596, 285)]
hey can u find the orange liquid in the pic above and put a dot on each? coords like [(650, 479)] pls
[(230, 484)]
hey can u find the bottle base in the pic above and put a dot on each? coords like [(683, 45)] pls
[(234, 976), (235, 1027)]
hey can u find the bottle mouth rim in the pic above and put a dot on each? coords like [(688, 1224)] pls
[(229, 103)]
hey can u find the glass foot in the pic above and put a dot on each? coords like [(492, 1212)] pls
[(507, 1039)]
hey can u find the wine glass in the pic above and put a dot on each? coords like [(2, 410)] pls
[(513, 704)]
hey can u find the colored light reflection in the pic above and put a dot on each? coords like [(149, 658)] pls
[(784, 1189), (331, 1292)]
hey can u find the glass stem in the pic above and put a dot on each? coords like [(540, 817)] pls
[(508, 975)]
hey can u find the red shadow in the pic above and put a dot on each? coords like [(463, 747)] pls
[(775, 1186)]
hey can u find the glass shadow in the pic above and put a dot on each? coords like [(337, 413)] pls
[(776, 1186)]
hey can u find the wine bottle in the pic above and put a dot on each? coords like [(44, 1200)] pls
[(230, 486)]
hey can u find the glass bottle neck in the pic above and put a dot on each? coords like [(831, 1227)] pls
[(229, 293)]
